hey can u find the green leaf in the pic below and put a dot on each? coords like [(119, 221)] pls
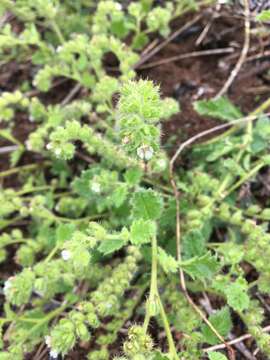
[(203, 267), (119, 28), (139, 41), (214, 355), (64, 233), (147, 205), (159, 356), (81, 185), (221, 320), (168, 263), (262, 127), (119, 195), (263, 16), (258, 144), (133, 176), (109, 246), (220, 108), (237, 296), (142, 231), (15, 156), (87, 80), (194, 243)]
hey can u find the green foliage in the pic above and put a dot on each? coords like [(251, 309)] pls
[(236, 294), (142, 231), (167, 262), (147, 205), (221, 320), (89, 240), (263, 16), (140, 109), (201, 267), (220, 108), (213, 355), (18, 289)]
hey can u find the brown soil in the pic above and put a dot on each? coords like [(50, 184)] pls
[(196, 78)]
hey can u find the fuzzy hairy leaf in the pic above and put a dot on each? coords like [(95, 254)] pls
[(221, 320), (214, 355), (194, 243), (203, 267), (220, 108), (109, 246), (142, 231), (237, 296), (263, 16), (133, 176), (159, 356), (64, 233), (168, 263), (147, 205)]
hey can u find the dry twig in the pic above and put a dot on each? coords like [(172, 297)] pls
[(167, 41), (243, 55), (187, 56), (71, 94), (7, 149), (234, 341)]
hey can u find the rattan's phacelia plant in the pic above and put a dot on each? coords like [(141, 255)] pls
[(88, 229)]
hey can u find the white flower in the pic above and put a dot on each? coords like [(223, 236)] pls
[(145, 152), (54, 354), (126, 140), (31, 118), (7, 286), (57, 152), (28, 145), (95, 187), (49, 146), (59, 48), (48, 341), (118, 6), (66, 255)]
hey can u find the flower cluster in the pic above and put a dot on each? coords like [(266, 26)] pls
[(140, 109), (139, 343), (104, 301)]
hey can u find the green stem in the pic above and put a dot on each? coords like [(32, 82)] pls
[(77, 221), (167, 329), (35, 189), (45, 320), (153, 285), (6, 223), (235, 128), (23, 168), (52, 253), (11, 138), (58, 32), (165, 188), (14, 242), (155, 300), (251, 173), (7, 320)]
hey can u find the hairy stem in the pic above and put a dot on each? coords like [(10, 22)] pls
[(155, 300)]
